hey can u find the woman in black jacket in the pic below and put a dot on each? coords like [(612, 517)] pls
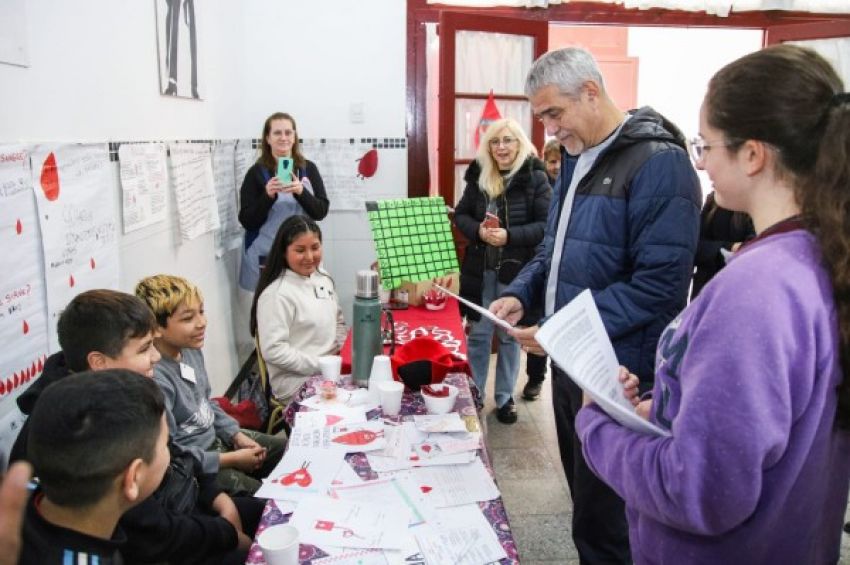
[(503, 214)]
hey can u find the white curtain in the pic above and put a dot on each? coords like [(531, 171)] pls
[(483, 61), (715, 7)]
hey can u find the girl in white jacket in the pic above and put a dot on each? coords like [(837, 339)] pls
[(296, 312)]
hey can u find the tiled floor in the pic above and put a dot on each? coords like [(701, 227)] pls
[(529, 474)]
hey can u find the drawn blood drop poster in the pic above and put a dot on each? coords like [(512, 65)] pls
[(77, 214), (23, 306)]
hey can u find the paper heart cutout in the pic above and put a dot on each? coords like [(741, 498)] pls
[(426, 448), (332, 419), (426, 489)]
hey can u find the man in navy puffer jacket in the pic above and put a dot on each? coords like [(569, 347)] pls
[(624, 223)]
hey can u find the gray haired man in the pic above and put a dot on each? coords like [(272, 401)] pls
[(624, 223)]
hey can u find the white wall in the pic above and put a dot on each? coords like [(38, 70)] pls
[(676, 65), (93, 77)]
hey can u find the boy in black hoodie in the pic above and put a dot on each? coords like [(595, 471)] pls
[(99, 444), (188, 519)]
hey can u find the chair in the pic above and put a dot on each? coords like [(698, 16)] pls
[(274, 421), (252, 382)]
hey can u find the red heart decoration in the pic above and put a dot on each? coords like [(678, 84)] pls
[(426, 489), (332, 419), (426, 448)]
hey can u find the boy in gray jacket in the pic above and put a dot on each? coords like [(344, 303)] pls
[(197, 425)]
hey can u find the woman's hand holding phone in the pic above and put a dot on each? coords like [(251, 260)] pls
[(273, 187), (295, 187)]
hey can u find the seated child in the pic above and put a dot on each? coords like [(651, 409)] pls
[(106, 329), (296, 314), (99, 445), (99, 329), (197, 425)]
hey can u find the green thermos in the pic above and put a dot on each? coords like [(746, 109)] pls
[(366, 331)]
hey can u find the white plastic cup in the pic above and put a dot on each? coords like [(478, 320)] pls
[(331, 366), (279, 544), (382, 372), (390, 395)]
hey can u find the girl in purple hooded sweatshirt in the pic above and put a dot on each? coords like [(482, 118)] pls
[(752, 378)]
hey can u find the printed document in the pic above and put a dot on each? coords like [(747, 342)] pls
[(575, 338)]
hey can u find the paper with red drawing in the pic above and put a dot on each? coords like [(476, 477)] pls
[(324, 521), (301, 472), (353, 438), (454, 485)]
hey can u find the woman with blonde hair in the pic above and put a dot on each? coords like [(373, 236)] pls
[(503, 214)]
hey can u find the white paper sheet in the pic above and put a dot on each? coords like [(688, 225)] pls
[(395, 491), (324, 521), (75, 194), (354, 557), (331, 416), (144, 180), (23, 299), (455, 485), (464, 538), (430, 423), (483, 311), (229, 234), (575, 338), (192, 179)]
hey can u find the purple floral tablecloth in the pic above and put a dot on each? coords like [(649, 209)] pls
[(467, 405)]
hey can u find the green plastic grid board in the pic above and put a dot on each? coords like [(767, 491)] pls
[(413, 239)]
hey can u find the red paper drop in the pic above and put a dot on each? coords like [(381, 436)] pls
[(91, 262), (33, 367), (71, 281), (26, 328), (40, 365), (19, 227), (2, 387), (368, 164), (16, 381), (50, 178)]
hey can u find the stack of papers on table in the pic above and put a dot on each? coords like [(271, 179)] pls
[(422, 509)]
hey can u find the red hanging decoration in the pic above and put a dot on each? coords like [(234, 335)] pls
[(368, 164), (50, 178)]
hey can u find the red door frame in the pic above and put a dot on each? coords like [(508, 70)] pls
[(419, 12), (450, 23), (798, 32)]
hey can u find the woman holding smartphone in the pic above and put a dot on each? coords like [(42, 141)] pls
[(267, 200), (503, 214), (282, 183)]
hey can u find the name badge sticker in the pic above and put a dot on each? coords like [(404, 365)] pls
[(188, 373)]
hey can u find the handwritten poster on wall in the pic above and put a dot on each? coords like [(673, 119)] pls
[(75, 196), (338, 161), (23, 304), (144, 179), (229, 235), (192, 179), (246, 155)]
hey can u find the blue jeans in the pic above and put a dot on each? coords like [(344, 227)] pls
[(480, 337)]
